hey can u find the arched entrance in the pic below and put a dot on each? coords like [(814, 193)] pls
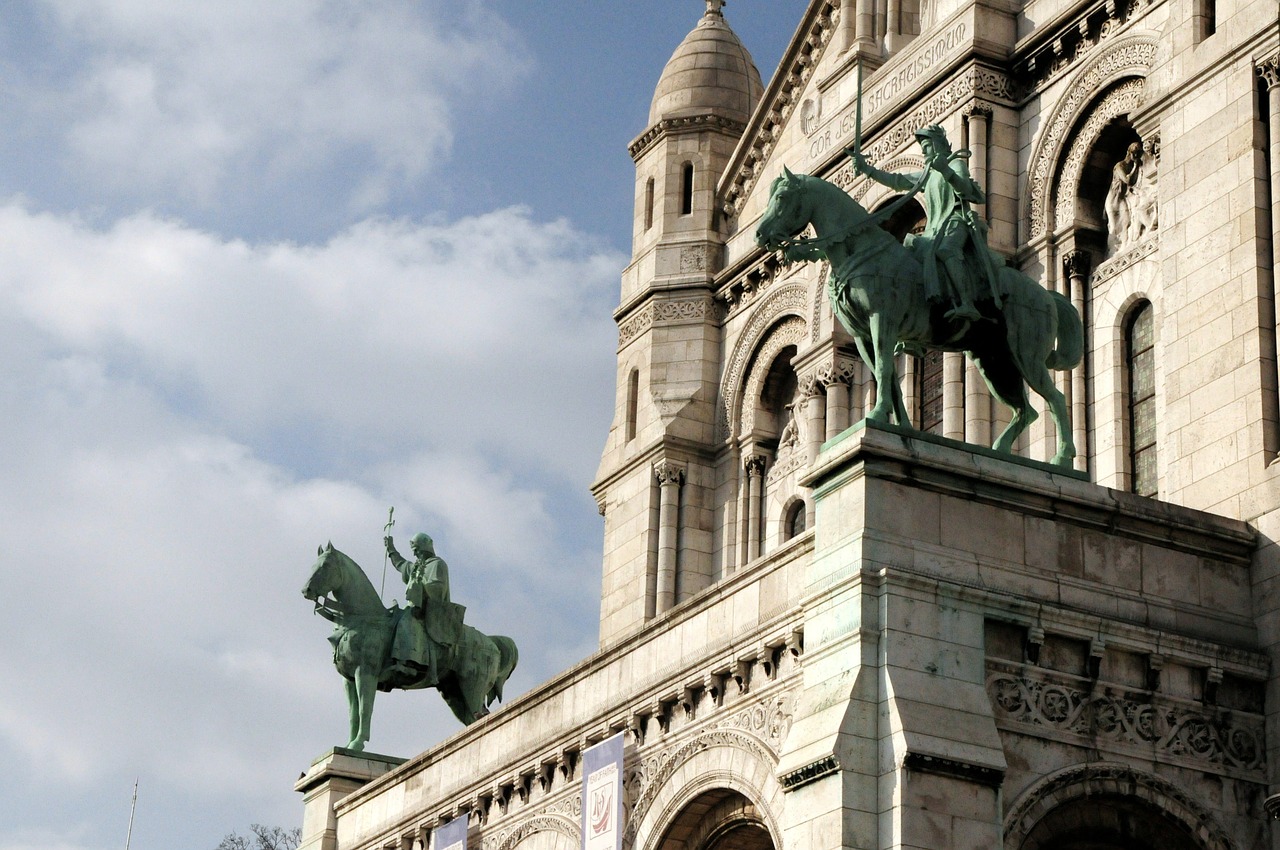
[(1109, 823), (720, 819)]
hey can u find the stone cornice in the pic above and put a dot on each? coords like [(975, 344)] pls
[(668, 126)]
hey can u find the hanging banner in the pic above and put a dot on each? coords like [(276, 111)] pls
[(451, 836), (602, 795)]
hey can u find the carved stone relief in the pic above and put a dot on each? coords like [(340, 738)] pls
[(1132, 203), (1128, 57), (1206, 738)]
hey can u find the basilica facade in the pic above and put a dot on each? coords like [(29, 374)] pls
[(818, 633)]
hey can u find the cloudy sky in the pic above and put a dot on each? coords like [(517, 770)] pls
[(266, 269)]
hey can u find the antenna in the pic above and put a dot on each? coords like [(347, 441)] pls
[(133, 808)]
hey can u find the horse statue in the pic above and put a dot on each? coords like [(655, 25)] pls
[(471, 674), (877, 291)]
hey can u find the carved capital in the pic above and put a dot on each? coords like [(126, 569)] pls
[(668, 473), (980, 108), (755, 464), (1269, 71), (1151, 148), (1076, 264)]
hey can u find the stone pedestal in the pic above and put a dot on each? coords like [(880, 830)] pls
[(331, 777), (921, 546)]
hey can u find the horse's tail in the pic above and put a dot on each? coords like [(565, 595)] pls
[(507, 658), (1070, 342)]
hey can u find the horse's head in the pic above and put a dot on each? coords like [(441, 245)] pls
[(787, 212), (326, 573)]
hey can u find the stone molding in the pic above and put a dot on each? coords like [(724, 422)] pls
[(789, 299), (790, 331), (665, 313), (810, 773), (1097, 778), (1120, 100), (1076, 39), (1207, 739), (1130, 56), (1132, 257), (747, 166), (683, 125), (991, 777)]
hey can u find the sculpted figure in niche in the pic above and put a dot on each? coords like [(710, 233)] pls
[(1120, 199), (1144, 203), (953, 247)]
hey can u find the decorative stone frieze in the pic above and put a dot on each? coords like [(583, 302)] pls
[(1115, 265), (1097, 716), (665, 313), (1077, 39)]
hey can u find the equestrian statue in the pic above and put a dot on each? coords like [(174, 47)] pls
[(942, 289), (422, 645)]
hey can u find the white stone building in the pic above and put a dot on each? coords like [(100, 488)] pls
[(818, 636)]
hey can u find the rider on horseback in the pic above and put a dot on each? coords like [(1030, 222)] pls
[(951, 225), (431, 623)]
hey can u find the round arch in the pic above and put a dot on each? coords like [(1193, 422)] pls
[(1128, 56), (545, 832), (791, 299), (1110, 799), (717, 761)]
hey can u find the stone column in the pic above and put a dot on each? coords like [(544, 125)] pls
[(865, 29), (330, 778), (1269, 70), (1075, 269), (816, 405), (977, 116), (837, 402), (953, 395), (670, 477), (755, 502), (893, 38), (977, 407), (731, 535)]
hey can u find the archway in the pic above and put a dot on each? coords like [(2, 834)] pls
[(719, 819), (1109, 822)]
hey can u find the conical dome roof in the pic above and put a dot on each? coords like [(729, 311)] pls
[(710, 73)]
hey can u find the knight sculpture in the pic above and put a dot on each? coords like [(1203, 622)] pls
[(425, 644), (944, 289)]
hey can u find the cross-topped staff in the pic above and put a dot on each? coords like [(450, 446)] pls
[(386, 529)]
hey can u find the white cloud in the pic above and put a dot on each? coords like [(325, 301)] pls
[(209, 99), (193, 416)]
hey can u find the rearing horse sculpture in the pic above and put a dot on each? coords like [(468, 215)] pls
[(877, 291)]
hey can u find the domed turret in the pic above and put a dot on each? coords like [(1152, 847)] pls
[(710, 73)]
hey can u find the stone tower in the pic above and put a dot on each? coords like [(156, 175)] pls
[(657, 474)]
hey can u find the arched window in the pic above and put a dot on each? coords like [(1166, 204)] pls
[(1141, 374), (686, 189), (633, 402), (793, 524), (648, 204)]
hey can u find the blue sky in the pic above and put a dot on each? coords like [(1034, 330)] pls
[(265, 270)]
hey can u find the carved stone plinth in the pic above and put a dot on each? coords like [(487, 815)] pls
[(331, 777)]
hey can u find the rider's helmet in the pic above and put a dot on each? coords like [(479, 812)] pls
[(935, 134), (422, 541)]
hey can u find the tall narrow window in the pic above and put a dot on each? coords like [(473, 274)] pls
[(1140, 359), (686, 189), (648, 204), (633, 402), (929, 391), (1204, 19), (794, 523)]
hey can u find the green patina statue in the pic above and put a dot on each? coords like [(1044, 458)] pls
[(944, 289), (422, 645)]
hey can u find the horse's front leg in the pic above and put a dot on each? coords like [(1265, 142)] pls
[(353, 714), (884, 337), (366, 689)]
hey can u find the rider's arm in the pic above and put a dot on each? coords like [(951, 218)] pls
[(956, 173), (901, 182), (397, 560)]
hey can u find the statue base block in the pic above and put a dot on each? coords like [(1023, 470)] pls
[(330, 778)]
